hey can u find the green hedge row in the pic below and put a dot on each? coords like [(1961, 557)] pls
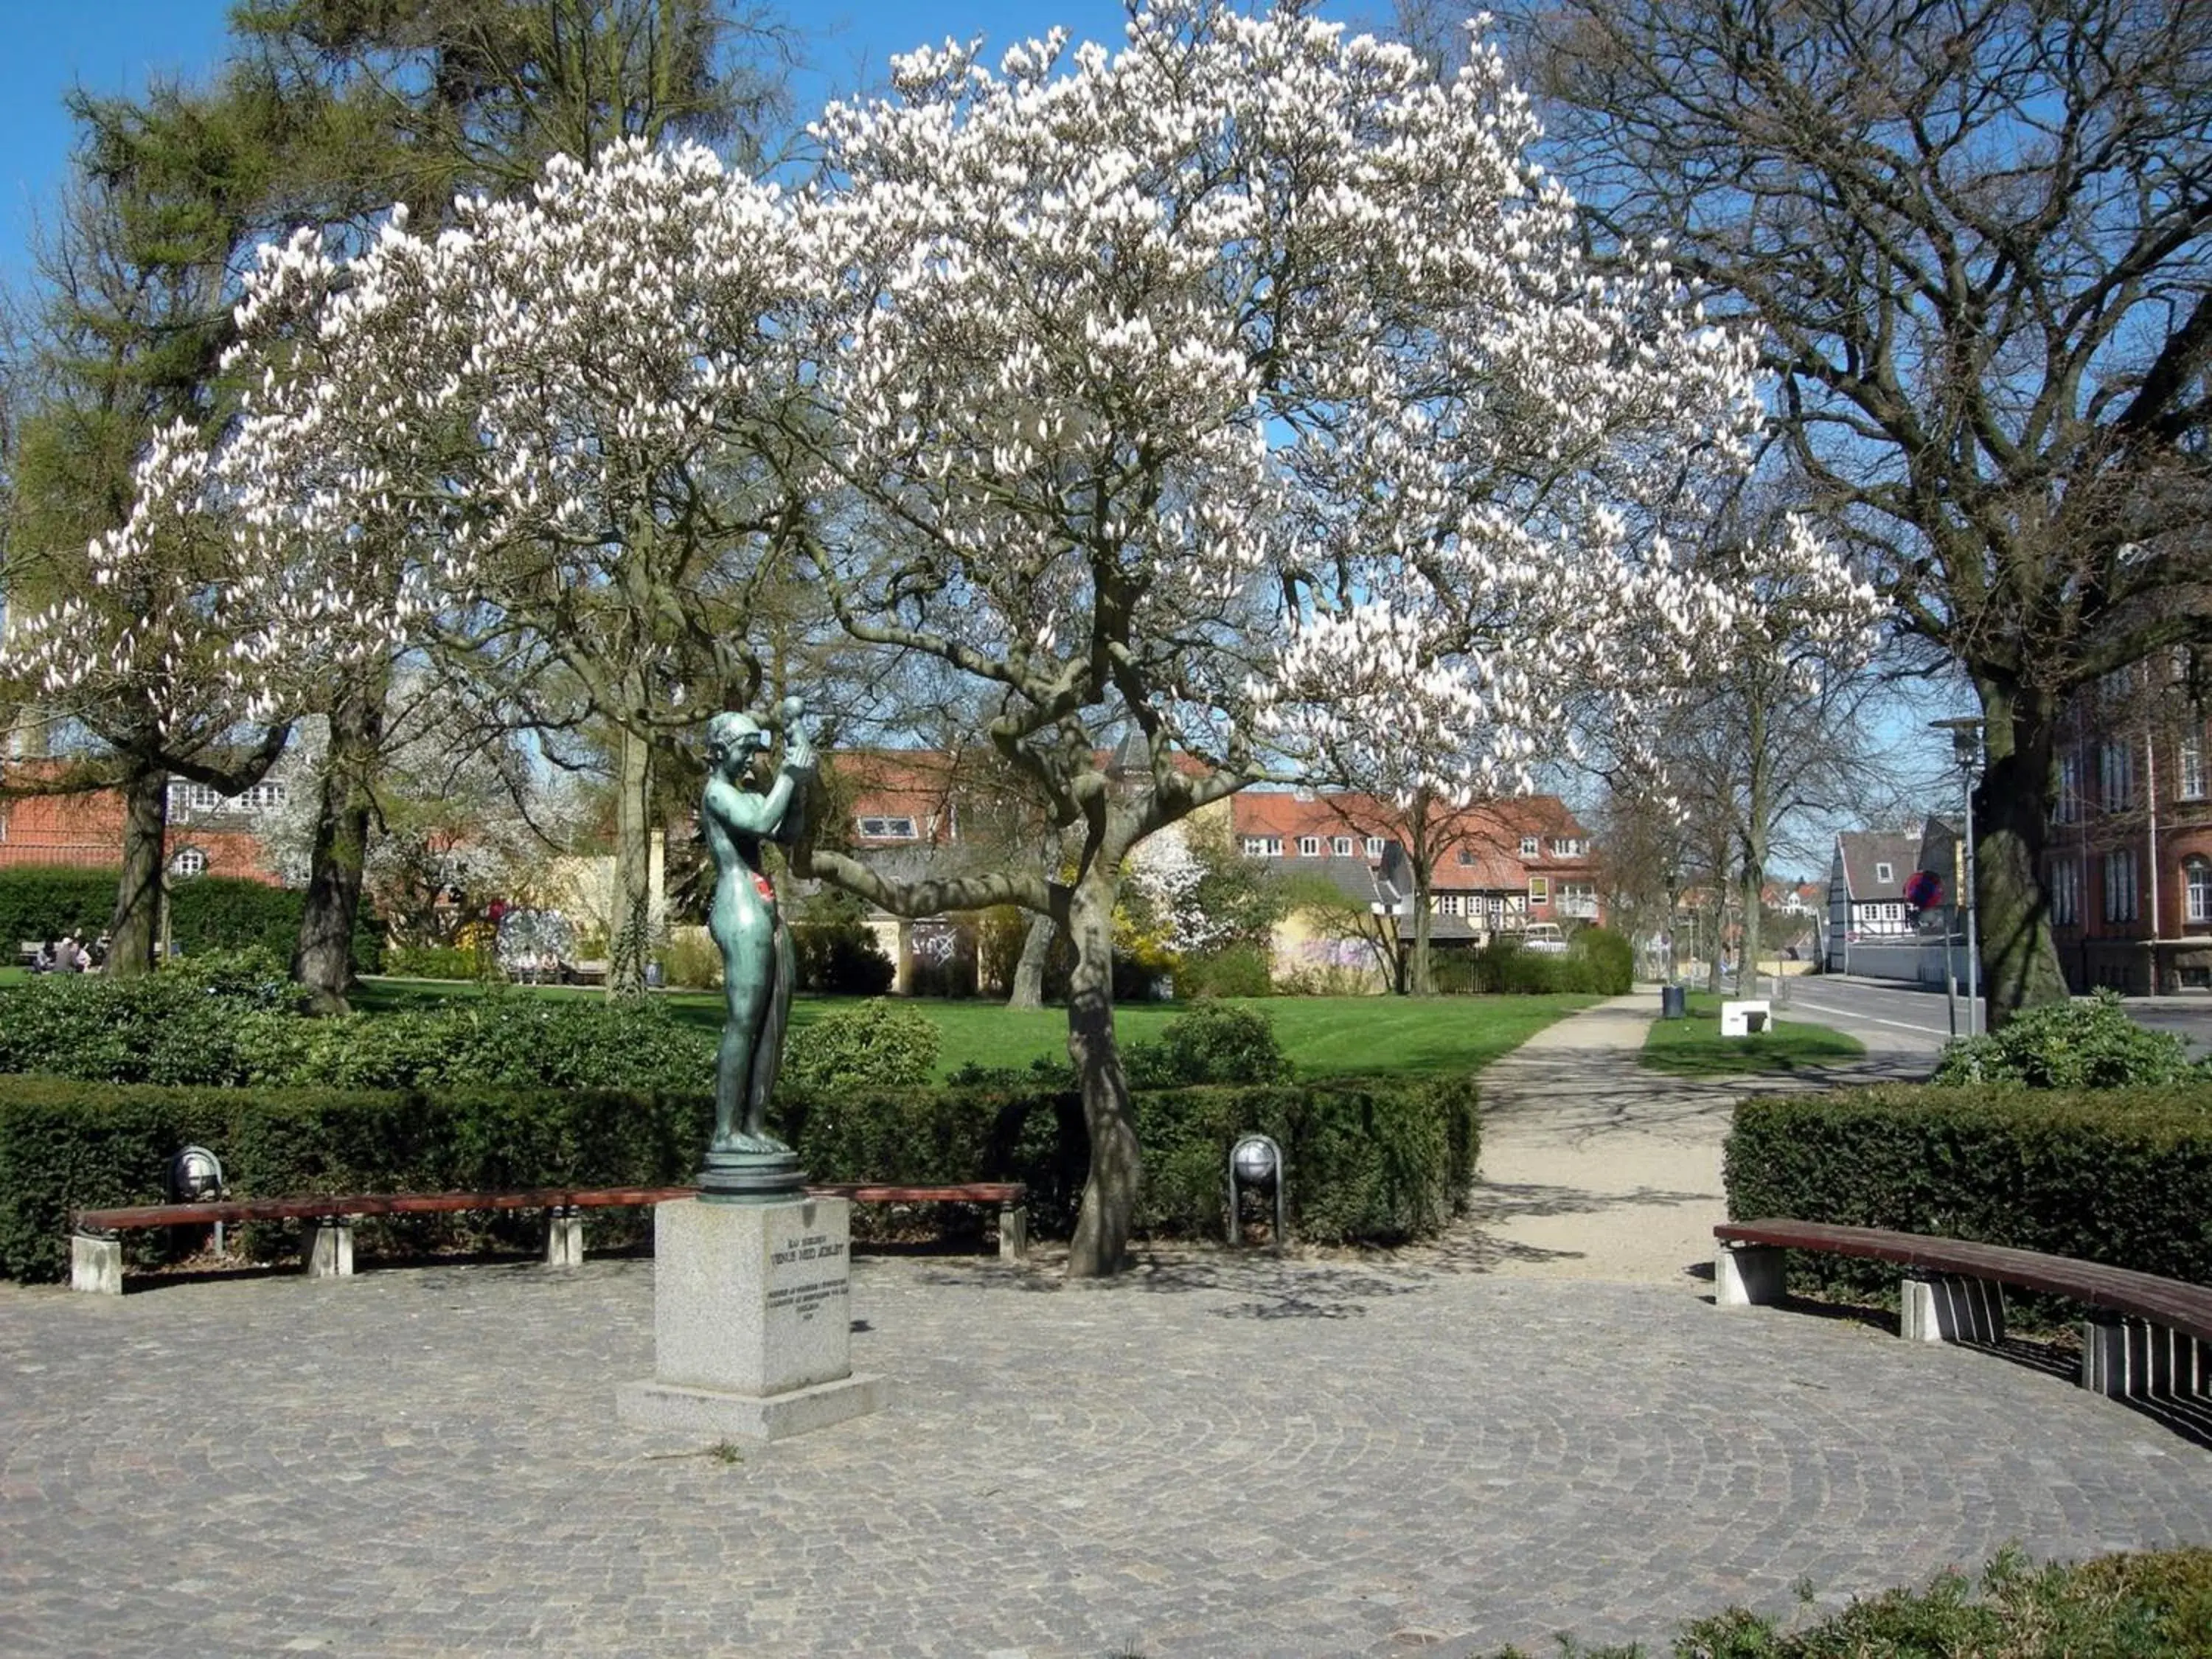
[(207, 913), (1381, 1159), (2120, 1176)]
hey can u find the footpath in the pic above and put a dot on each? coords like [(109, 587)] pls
[(1594, 1168)]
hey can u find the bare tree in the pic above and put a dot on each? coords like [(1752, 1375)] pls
[(1974, 237)]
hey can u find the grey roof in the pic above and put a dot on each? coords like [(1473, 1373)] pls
[(1858, 851)]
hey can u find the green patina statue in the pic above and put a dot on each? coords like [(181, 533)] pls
[(744, 1162)]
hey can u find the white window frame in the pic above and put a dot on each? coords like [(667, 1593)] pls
[(878, 827), (1309, 846), (1341, 847), (1539, 889), (1884, 872), (188, 862), (2196, 890), (1450, 904), (1532, 846), (1569, 846), (1376, 846), (2189, 768)]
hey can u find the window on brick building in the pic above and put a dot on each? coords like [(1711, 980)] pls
[(2120, 898), (2189, 766), (1309, 846), (2065, 893), (188, 862), (2196, 887), (1342, 846)]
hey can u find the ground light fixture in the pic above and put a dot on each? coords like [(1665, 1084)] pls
[(1256, 1161)]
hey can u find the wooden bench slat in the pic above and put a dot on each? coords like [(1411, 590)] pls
[(317, 1208), (2185, 1308)]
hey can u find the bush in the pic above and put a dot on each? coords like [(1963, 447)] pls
[(1213, 1043), (46, 903), (2152, 1606), (1597, 962), (1380, 1160), (230, 1019), (434, 961), (2069, 1045), (66, 1145), (1235, 970), (877, 1045), (841, 958), (2119, 1176)]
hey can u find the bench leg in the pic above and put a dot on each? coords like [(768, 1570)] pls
[(1948, 1307), (326, 1246), (2132, 1358), (1013, 1232), (564, 1239), (1746, 1276), (96, 1264)]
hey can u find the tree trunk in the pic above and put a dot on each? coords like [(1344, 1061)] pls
[(1753, 877), (1714, 982), (629, 938), (322, 963), (2019, 960), (1110, 1191), (1423, 969), (134, 931), (1028, 971)]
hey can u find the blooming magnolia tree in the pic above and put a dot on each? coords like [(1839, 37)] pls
[(204, 646), (1246, 390), (555, 406), (1239, 392)]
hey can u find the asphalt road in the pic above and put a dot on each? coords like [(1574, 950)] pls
[(1886, 1015)]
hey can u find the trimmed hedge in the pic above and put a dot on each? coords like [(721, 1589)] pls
[(1378, 1159), (2119, 1176), (206, 913)]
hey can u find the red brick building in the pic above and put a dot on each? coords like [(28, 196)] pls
[(209, 834), (2127, 861)]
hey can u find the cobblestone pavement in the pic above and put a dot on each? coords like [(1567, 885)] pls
[(1594, 1168), (1227, 1455)]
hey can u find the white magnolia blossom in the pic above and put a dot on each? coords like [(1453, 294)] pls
[(1165, 876), (1247, 383)]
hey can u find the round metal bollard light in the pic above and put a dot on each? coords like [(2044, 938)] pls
[(196, 1176), (1257, 1161)]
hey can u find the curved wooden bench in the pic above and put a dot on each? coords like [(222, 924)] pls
[(2146, 1335), (326, 1219)]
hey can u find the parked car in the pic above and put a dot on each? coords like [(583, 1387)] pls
[(1544, 937)]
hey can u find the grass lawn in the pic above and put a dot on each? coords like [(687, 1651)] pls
[(1322, 1034), (1695, 1048)]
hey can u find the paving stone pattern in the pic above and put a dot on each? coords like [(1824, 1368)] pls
[(1228, 1456)]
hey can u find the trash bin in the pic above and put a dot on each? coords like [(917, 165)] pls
[(1672, 1005)]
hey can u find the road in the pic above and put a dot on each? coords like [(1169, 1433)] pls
[(1884, 1015)]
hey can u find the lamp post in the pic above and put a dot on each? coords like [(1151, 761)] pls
[(1966, 752)]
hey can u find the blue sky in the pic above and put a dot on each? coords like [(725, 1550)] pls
[(118, 46)]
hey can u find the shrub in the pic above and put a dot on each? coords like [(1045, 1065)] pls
[(877, 1045), (67, 1145), (2152, 1606), (1234, 970), (2119, 1176), (1380, 1160), (841, 958), (1213, 1043), (2069, 1045), (434, 961), (46, 903), (1597, 962), (229, 1019)]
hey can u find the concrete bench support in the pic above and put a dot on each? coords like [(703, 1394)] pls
[(96, 1264), (1013, 1232), (2134, 1359), (564, 1239), (326, 1246), (1746, 1276), (1949, 1307)]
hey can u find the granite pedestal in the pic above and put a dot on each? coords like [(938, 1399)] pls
[(752, 1321)]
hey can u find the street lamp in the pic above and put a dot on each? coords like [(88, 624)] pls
[(1967, 753)]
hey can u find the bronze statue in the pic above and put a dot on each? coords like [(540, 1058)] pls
[(744, 1162)]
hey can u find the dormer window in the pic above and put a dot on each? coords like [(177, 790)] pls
[(1342, 846), (1309, 846), (1885, 873), (1532, 846)]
